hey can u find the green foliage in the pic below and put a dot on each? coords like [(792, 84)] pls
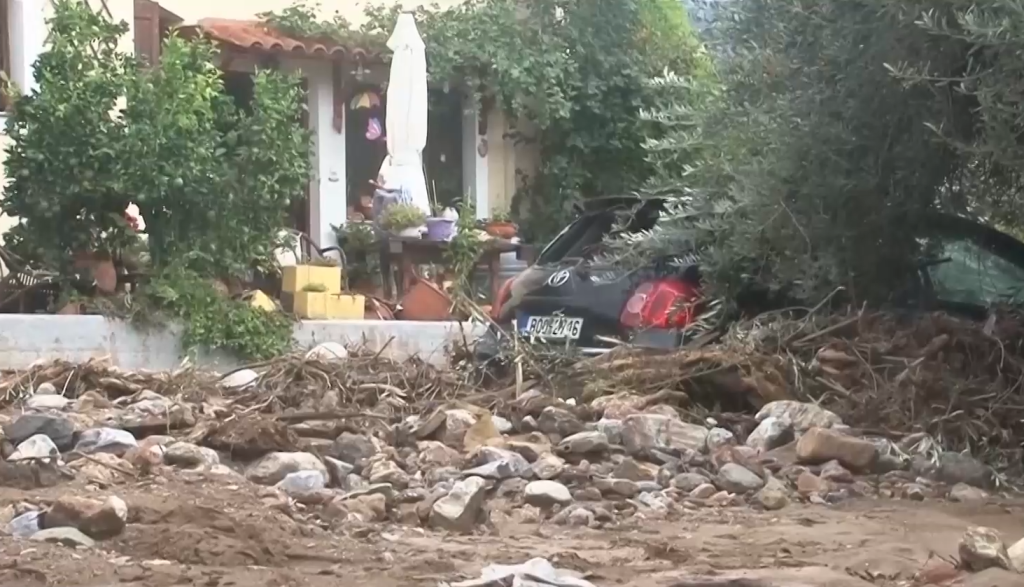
[(839, 124), (400, 216), (64, 158), (362, 254), (463, 251), (213, 183), (213, 320), (569, 74)]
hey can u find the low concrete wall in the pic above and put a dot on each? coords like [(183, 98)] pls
[(28, 338)]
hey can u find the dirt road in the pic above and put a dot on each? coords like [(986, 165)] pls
[(188, 528)]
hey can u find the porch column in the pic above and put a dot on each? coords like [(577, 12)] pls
[(474, 165), (328, 192), (27, 36)]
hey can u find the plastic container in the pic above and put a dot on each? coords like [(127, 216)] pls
[(440, 229)]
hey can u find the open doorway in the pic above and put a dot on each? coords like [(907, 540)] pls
[(365, 145), (442, 156), (240, 86)]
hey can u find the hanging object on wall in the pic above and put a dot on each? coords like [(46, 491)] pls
[(373, 129), (338, 97), (364, 100)]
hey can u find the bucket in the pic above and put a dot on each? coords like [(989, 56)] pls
[(440, 229)]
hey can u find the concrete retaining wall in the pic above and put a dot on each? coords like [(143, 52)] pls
[(27, 338)]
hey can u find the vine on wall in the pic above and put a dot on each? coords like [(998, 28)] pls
[(573, 72)]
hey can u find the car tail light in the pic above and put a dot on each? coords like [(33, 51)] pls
[(503, 295), (666, 303)]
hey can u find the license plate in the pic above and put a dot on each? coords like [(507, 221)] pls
[(551, 327)]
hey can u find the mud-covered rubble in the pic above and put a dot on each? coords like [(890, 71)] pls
[(459, 467)]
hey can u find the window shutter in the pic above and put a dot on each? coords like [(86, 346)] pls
[(147, 31)]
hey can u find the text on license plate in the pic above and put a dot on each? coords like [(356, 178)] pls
[(551, 326)]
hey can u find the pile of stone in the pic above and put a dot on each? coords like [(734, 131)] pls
[(542, 460)]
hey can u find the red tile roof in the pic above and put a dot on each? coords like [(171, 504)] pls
[(250, 34)]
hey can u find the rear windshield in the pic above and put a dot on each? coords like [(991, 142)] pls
[(583, 239)]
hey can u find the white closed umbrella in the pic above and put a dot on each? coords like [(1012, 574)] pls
[(407, 114)]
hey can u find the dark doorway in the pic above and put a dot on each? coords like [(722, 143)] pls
[(442, 156)]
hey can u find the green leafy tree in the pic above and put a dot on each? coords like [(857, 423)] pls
[(839, 126), (64, 156)]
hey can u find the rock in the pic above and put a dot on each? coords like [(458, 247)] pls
[(956, 468), (548, 466), (737, 479), (546, 494), (504, 425), (46, 388), (103, 469), (240, 379), (619, 405), (387, 471), (584, 443), (186, 454), (354, 449), (434, 454), (35, 447), (64, 535), (634, 471), (25, 525), (719, 437), (555, 421), (819, 445), (965, 493), (773, 496), (273, 467), (107, 440), (1016, 554), (612, 430), (581, 517), (302, 483), (617, 487), (703, 491), (836, 473), (644, 432), (59, 429), (47, 402), (327, 351), (531, 446), (456, 424), (97, 519), (458, 511), (982, 548), (808, 484), (483, 432), (914, 492), (155, 413), (689, 481), (498, 463), (770, 434), (801, 416), (723, 499), (365, 508)]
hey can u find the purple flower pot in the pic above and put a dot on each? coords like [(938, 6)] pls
[(440, 229)]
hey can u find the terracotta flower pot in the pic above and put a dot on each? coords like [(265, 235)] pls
[(505, 230)]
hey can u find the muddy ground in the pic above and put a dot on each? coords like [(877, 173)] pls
[(188, 528)]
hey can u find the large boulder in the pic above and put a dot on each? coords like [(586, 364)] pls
[(800, 415), (275, 466), (819, 445)]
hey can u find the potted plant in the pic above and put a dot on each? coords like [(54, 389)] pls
[(405, 220), (500, 226)]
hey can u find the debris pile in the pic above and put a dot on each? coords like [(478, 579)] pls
[(338, 439)]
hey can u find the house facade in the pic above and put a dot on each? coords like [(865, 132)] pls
[(485, 159)]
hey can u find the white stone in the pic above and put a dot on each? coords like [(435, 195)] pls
[(47, 402), (302, 482), (275, 466), (546, 494), (458, 510), (35, 447), (719, 437), (801, 415), (240, 379), (108, 440), (771, 433), (328, 351)]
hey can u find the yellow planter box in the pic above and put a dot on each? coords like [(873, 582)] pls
[(296, 278), (324, 306), (346, 307)]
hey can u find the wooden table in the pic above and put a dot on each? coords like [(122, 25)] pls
[(407, 253)]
